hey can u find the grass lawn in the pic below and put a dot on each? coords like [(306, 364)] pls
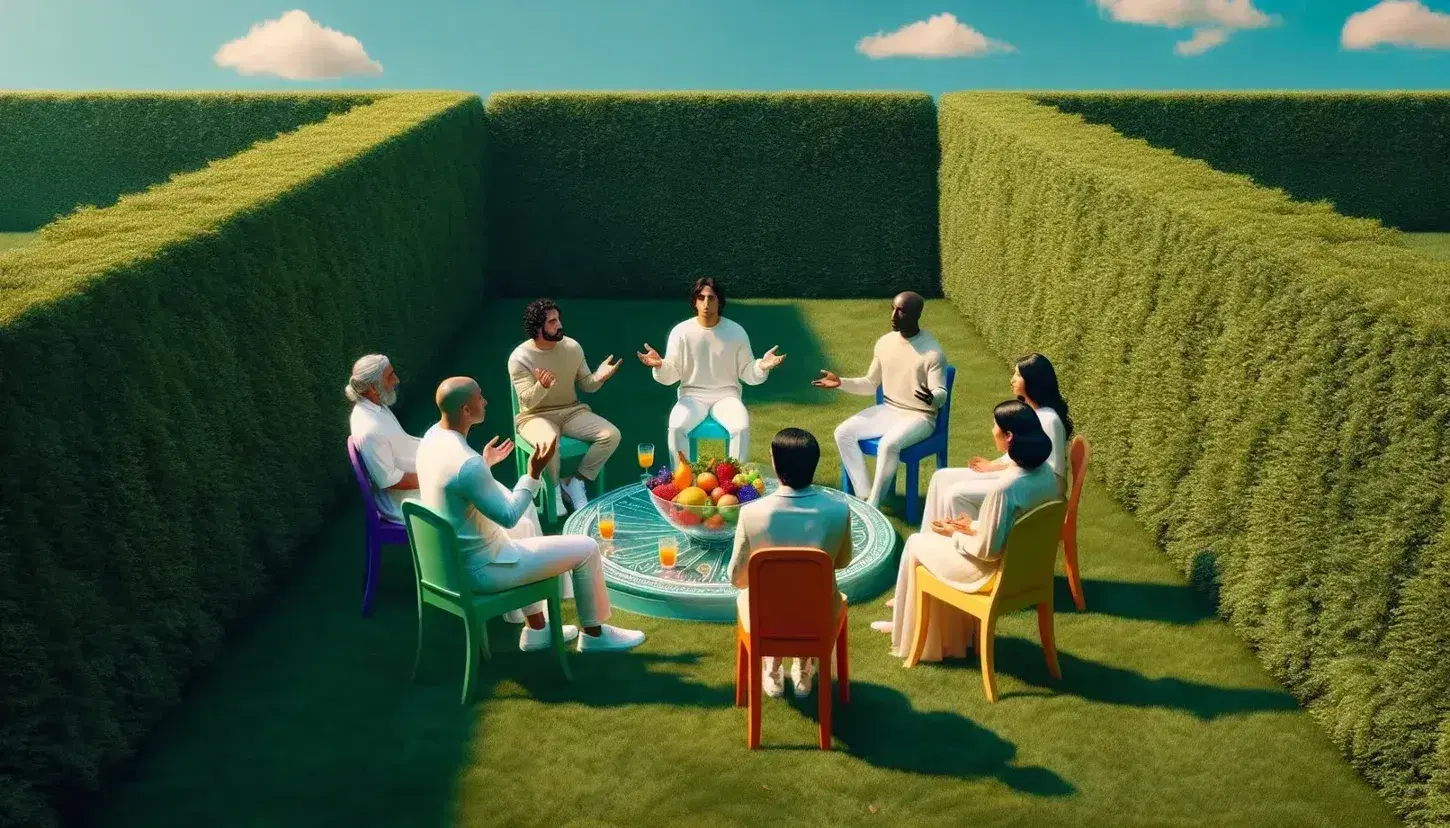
[(1163, 716), (12, 240), (1436, 244)]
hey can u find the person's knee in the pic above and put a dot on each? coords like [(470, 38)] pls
[(608, 436), (846, 433)]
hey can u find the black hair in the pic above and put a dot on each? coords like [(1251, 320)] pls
[(796, 453), (536, 314), (699, 287), (1039, 380), (1030, 446)]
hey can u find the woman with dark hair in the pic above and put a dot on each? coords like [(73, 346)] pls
[(953, 491), (966, 551)]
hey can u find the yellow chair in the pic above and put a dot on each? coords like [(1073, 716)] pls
[(1024, 579)]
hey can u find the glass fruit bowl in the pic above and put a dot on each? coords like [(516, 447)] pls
[(705, 507)]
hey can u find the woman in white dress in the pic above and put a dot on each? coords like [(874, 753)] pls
[(966, 551), (954, 491)]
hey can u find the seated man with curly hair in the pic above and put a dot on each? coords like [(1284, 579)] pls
[(545, 370)]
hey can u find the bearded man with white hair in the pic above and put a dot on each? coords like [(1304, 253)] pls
[(389, 453)]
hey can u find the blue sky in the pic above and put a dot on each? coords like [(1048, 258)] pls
[(488, 45)]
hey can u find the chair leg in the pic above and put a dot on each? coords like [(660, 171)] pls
[(418, 653), (556, 631), (986, 638), (1049, 646), (1074, 577), (371, 568), (846, 482), (470, 665), (823, 700), (843, 669), (742, 678), (918, 630), (913, 499), (757, 688)]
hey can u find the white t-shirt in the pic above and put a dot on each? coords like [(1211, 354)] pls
[(709, 362), (387, 451), (456, 483)]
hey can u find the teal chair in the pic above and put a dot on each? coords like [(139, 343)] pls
[(441, 582), (708, 430), (569, 449)]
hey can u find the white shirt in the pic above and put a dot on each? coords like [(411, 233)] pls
[(456, 483), (387, 451), (899, 366), (1015, 492), (1057, 433), (709, 362)]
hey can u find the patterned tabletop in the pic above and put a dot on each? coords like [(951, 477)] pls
[(698, 588)]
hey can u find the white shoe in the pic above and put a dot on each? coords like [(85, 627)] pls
[(574, 490), (801, 678), (610, 639), (771, 683), (881, 626), (559, 509), (532, 640)]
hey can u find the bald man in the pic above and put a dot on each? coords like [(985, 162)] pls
[(388, 452), (909, 366), (454, 481)]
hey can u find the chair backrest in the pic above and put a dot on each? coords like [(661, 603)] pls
[(1077, 461), (435, 550), (943, 417), (1030, 556), (791, 593), (364, 484)]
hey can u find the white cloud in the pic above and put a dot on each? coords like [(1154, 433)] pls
[(1397, 23), (1202, 41), (939, 36), (297, 48), (1214, 20)]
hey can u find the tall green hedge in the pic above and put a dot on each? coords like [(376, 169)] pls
[(1382, 155), (1264, 382), (62, 150), (172, 369), (807, 195)]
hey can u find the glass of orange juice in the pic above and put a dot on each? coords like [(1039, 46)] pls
[(645, 454), (669, 550), (606, 529)]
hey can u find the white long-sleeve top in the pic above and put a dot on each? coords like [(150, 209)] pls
[(456, 483), (709, 362), (1016, 492), (899, 366), (1057, 433)]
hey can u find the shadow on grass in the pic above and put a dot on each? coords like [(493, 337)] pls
[(1167, 603), (611, 679), (1099, 682), (880, 727)]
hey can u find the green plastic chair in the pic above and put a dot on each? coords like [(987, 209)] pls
[(569, 449), (441, 582)]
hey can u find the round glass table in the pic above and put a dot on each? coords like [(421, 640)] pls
[(698, 587)]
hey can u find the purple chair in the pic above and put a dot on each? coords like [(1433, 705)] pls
[(378, 531)]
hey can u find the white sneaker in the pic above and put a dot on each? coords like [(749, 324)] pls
[(771, 683), (610, 639), (559, 509), (881, 626), (574, 490), (532, 640), (801, 677)]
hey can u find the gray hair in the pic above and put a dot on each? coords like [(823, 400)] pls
[(367, 372)]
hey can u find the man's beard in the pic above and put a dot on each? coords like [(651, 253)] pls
[(557, 336), (388, 396)]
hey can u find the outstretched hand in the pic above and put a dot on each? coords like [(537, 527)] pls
[(494, 452), (827, 380), (771, 359), (607, 368), (541, 457), (650, 357), (545, 378)]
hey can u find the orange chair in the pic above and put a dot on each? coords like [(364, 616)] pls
[(1077, 458), (791, 608)]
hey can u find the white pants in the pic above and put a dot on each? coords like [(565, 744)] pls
[(954, 492), (728, 411), (541, 557), (949, 631), (896, 429)]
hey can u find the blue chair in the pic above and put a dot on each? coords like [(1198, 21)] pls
[(911, 456), (708, 430)]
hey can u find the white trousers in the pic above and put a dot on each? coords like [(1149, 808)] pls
[(544, 556), (955, 491), (949, 631), (896, 429), (728, 411)]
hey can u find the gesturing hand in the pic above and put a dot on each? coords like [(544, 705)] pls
[(607, 369), (494, 452), (650, 357), (943, 528), (770, 358), (541, 457), (979, 464), (924, 394), (827, 380), (545, 378)]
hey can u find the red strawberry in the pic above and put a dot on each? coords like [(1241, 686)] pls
[(729, 486), (666, 491), (726, 471)]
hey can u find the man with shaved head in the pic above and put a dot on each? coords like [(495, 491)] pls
[(388, 452), (909, 366), (455, 482)]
